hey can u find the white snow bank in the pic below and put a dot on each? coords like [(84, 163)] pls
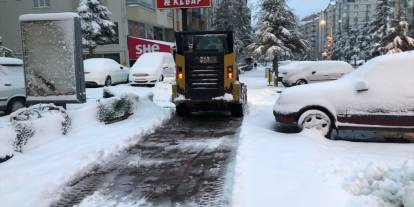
[(6, 142), (35, 177), (306, 169), (10, 61), (48, 16), (382, 186)]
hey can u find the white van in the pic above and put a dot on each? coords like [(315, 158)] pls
[(151, 68), (12, 86), (304, 72)]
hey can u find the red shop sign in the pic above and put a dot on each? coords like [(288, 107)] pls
[(139, 46), (175, 4)]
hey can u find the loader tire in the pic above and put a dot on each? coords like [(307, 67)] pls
[(237, 110), (182, 110)]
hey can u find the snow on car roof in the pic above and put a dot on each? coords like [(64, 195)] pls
[(48, 16), (97, 63), (306, 64), (148, 62), (10, 61)]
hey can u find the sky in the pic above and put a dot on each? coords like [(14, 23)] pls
[(304, 7)]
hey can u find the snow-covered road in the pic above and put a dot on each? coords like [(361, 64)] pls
[(271, 169), (306, 169)]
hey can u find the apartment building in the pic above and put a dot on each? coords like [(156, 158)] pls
[(10, 10), (138, 18), (310, 29)]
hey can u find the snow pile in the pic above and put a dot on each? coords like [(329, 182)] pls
[(383, 187), (227, 97), (6, 143)]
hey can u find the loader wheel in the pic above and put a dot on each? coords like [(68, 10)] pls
[(237, 110), (182, 110)]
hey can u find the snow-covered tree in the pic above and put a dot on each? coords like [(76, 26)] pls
[(97, 29), (234, 15), (338, 45), (397, 39), (278, 36), (379, 27), (364, 40)]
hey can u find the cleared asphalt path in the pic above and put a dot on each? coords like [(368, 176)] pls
[(183, 163)]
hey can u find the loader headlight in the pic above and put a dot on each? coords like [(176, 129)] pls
[(180, 74), (230, 74)]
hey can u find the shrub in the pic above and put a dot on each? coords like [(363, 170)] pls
[(116, 108), (22, 122)]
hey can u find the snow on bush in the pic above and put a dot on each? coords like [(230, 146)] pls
[(116, 108), (26, 121), (382, 187)]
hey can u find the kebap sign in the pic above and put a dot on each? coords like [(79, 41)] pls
[(52, 57), (175, 4)]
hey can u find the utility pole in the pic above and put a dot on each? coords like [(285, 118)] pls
[(184, 19)]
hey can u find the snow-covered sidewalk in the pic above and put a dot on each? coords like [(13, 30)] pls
[(306, 169), (48, 162)]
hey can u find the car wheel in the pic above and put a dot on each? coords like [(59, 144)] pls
[(316, 119), (301, 82), (162, 78), (15, 105), (108, 81)]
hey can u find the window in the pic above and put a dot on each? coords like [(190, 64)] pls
[(146, 3), (41, 3)]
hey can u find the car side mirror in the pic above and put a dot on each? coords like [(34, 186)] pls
[(361, 86), (121, 67), (313, 72)]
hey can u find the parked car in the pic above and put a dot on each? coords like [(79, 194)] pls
[(12, 86), (151, 68), (247, 64), (378, 95), (104, 72), (304, 72)]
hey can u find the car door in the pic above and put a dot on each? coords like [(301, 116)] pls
[(383, 97), (5, 87), (116, 70), (318, 72)]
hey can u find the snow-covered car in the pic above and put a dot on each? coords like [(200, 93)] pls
[(151, 68), (104, 72), (378, 95), (12, 86), (304, 72)]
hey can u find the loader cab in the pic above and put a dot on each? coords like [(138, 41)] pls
[(207, 76)]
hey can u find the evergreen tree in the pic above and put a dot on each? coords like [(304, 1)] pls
[(379, 26), (97, 29), (338, 46), (397, 39), (278, 36), (234, 15), (364, 41)]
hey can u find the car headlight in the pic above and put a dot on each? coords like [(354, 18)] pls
[(140, 74)]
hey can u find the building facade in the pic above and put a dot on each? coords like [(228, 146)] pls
[(309, 27), (10, 11), (138, 18)]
